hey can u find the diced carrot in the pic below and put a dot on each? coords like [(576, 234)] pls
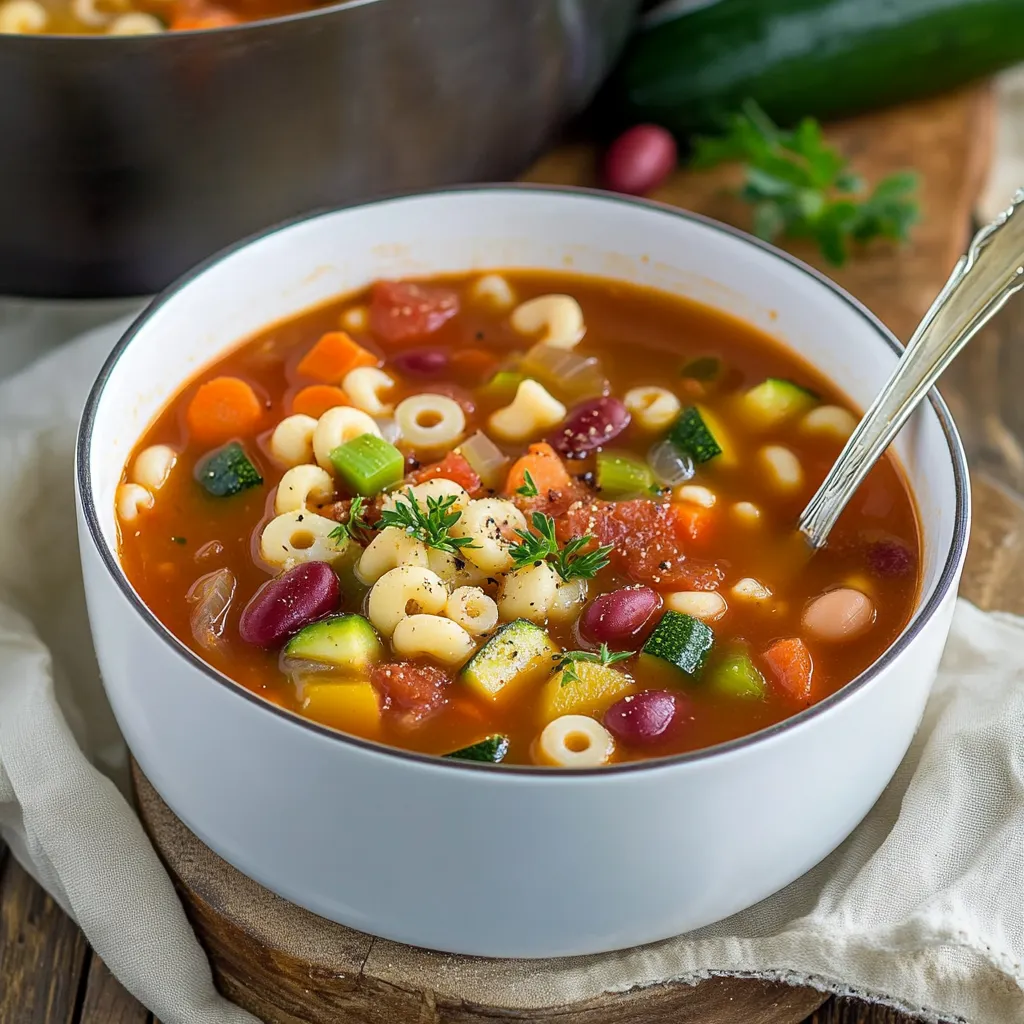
[(791, 666), (222, 409), (333, 356), (317, 399), (474, 364), (452, 467), (693, 522), (202, 16), (546, 469)]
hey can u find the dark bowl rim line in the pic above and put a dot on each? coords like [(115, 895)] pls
[(922, 617)]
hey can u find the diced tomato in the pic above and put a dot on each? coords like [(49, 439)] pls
[(474, 365), (791, 666), (648, 539), (452, 467), (694, 520), (417, 690), (403, 311)]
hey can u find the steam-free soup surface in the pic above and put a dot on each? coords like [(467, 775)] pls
[(596, 561)]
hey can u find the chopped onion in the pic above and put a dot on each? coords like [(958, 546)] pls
[(212, 595), (571, 375), (485, 457), (388, 428), (669, 465)]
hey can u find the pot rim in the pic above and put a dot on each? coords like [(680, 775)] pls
[(923, 614)]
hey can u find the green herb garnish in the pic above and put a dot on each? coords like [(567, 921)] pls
[(801, 187), (431, 526), (603, 657), (356, 525), (529, 489), (569, 562)]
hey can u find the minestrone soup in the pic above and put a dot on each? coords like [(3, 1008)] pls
[(526, 517)]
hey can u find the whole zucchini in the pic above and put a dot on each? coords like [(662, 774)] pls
[(823, 58)]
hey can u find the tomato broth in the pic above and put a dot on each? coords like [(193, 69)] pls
[(620, 471)]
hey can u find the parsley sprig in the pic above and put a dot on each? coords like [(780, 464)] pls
[(432, 527), (604, 656), (802, 187), (569, 562), (356, 525), (529, 488)]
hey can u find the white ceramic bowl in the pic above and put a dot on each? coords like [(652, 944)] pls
[(518, 862)]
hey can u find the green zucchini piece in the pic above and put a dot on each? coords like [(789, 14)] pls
[(735, 675), (227, 471), (705, 368), (368, 464), (346, 641), (491, 750), (621, 475), (692, 435), (518, 654), (776, 400), (502, 385), (680, 641)]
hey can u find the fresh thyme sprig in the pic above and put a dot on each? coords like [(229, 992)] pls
[(356, 525), (569, 562), (432, 527), (604, 656), (802, 187), (529, 488)]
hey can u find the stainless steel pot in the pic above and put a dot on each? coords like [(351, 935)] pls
[(123, 161)]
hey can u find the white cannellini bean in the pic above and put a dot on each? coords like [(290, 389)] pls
[(652, 408), (494, 291), (782, 468), (489, 523), (830, 421), (838, 615), (335, 427), (749, 589), (364, 386), (300, 536), (473, 610), (575, 741), (22, 17), (291, 443), (434, 636), (706, 605), (135, 23), (300, 485), (558, 320), (528, 593), (570, 596), (746, 512), (405, 590), (391, 548), (695, 494), (131, 500), (153, 466), (430, 422), (532, 412), (357, 318), (87, 13)]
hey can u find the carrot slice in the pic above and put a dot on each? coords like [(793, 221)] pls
[(693, 522), (452, 467), (222, 409), (203, 17), (333, 356), (791, 666), (546, 470), (317, 399)]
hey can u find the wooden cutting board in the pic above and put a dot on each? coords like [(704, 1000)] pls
[(291, 967)]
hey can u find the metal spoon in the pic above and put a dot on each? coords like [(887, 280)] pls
[(984, 278)]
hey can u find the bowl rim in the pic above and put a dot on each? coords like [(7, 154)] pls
[(924, 614)]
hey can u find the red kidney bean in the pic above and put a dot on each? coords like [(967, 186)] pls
[(889, 558), (643, 717), (590, 425), (616, 618), (289, 602), (640, 159), (421, 362)]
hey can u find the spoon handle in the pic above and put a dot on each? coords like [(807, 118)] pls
[(984, 278)]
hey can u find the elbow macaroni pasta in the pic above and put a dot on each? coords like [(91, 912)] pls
[(456, 570), (558, 320), (533, 410), (434, 636), (494, 291), (335, 427), (430, 422), (575, 741), (364, 386), (653, 409), (569, 598), (135, 23), (402, 591), (439, 488), (391, 548), (291, 443), (528, 593), (131, 500), (300, 536), (473, 610), (153, 466), (300, 485), (491, 524)]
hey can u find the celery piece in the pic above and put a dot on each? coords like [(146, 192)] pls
[(368, 464), (621, 475)]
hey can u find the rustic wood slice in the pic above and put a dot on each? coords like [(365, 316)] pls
[(291, 967)]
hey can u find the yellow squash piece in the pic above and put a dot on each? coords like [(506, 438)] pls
[(343, 704), (597, 688)]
